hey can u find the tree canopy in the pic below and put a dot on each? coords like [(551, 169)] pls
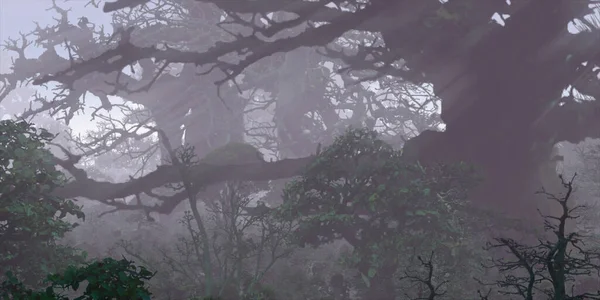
[(501, 84), (32, 217), (363, 191)]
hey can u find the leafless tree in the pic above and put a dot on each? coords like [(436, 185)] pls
[(553, 266)]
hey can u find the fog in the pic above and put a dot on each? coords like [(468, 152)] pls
[(311, 150)]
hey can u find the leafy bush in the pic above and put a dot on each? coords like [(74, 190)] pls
[(105, 279), (362, 190), (33, 217)]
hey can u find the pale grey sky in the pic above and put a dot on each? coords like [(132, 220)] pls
[(19, 16)]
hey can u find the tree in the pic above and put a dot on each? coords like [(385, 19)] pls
[(426, 285), (553, 266), (243, 250), (226, 252), (33, 218), (363, 191), (501, 83)]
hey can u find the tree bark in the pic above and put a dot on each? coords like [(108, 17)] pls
[(493, 100)]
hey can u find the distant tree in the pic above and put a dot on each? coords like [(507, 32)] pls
[(553, 266), (226, 252), (32, 218), (588, 154), (363, 191), (425, 286)]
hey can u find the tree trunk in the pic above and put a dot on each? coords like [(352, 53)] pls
[(493, 100)]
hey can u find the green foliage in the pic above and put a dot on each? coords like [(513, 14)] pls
[(32, 217), (362, 190), (106, 279)]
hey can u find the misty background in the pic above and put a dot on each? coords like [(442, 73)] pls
[(287, 106)]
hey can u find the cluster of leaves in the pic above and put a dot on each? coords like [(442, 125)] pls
[(362, 190), (106, 279), (32, 219)]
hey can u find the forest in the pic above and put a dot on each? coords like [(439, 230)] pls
[(302, 149)]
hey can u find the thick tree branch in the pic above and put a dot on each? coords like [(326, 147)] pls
[(121, 4), (323, 14), (202, 175), (126, 53)]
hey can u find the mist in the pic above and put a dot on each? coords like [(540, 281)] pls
[(301, 149)]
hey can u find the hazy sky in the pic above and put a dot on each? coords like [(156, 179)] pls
[(19, 16)]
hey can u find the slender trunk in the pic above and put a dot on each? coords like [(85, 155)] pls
[(206, 257), (192, 197)]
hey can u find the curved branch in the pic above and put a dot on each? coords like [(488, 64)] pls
[(121, 4), (324, 13), (126, 53), (202, 175)]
